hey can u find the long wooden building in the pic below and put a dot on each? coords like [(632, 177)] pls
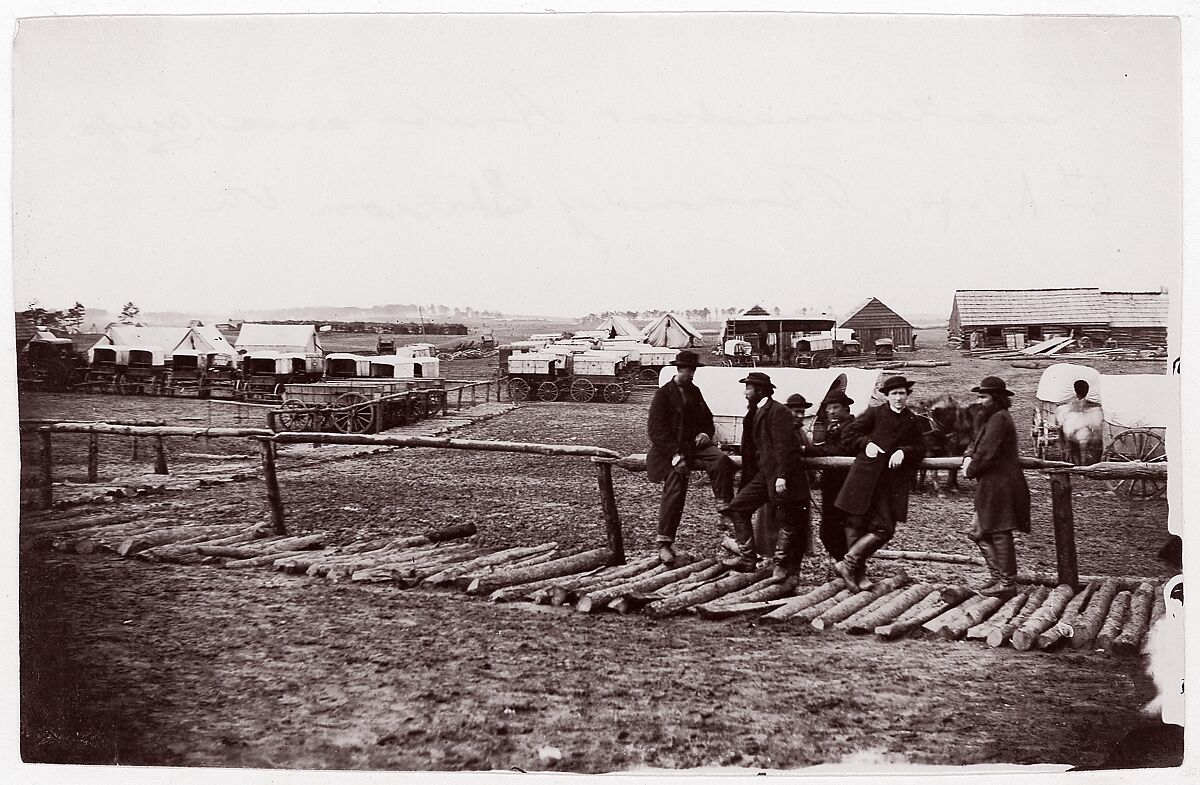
[(1008, 317), (873, 320)]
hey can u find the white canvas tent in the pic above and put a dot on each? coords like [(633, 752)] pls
[(725, 395), (161, 339), (205, 340), (617, 326), (283, 338), (670, 330)]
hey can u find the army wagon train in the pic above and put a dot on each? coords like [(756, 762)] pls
[(556, 373), (357, 406)]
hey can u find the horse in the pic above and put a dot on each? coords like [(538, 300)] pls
[(947, 428)]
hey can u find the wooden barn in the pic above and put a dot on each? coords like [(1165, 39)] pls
[(873, 320), (1137, 320), (1017, 317)]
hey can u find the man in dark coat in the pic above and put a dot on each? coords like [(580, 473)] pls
[(888, 446), (1001, 494), (681, 430), (833, 519), (771, 471)]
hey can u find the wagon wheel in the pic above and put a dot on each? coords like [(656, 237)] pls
[(518, 389), (614, 393), (1137, 444), (547, 391), (582, 391), (291, 420), (648, 375), (727, 363), (353, 420)]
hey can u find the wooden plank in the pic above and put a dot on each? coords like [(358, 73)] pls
[(274, 498), (612, 519)]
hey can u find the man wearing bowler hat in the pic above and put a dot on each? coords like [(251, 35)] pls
[(771, 471), (681, 432), (888, 446), (833, 520)]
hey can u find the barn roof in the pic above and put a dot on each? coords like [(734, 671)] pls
[(1030, 306), (874, 313), (754, 310), (1136, 309)]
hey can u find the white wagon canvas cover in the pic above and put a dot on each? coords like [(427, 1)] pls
[(283, 338)]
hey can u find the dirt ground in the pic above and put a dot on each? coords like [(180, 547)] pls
[(143, 664)]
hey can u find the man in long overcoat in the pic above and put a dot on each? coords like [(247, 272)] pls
[(771, 471), (1001, 493), (888, 446), (681, 430)]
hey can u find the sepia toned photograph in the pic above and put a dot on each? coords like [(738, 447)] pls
[(598, 391)]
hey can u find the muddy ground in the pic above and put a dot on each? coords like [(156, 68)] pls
[(133, 663)]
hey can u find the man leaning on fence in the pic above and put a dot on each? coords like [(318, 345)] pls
[(681, 430)]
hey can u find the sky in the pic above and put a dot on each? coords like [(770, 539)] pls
[(568, 164)]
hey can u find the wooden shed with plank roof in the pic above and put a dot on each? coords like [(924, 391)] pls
[(1137, 320), (1015, 317), (873, 321)]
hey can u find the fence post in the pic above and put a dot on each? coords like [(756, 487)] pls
[(160, 456), (93, 457), (1064, 528), (274, 498), (612, 520), (47, 469)]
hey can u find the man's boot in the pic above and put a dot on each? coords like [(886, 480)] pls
[(862, 549), (847, 567), (746, 559), (787, 559), (666, 553), (1006, 563), (984, 542)]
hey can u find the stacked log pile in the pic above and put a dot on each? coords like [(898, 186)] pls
[(1108, 614)]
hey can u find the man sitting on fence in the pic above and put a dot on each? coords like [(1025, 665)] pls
[(681, 430)]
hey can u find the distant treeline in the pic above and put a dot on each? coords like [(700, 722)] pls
[(395, 328)]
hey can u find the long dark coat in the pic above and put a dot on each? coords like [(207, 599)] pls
[(777, 451), (834, 445), (870, 476), (671, 431), (1001, 495)]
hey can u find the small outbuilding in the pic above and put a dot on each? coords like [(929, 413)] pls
[(873, 321)]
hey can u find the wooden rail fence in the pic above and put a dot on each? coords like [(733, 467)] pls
[(1060, 473)]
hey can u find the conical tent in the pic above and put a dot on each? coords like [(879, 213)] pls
[(670, 330), (617, 326)]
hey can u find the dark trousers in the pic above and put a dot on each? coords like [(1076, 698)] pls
[(878, 519), (833, 519), (720, 474), (791, 513)]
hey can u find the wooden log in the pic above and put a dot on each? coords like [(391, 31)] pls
[(725, 611), (500, 557), (871, 607), (770, 590), (157, 430), (598, 599), (181, 554), (855, 603), (950, 615), (236, 532), (889, 611), (1002, 634), (802, 601), (957, 628), (1064, 530), (1001, 617), (637, 463), (464, 581), (1089, 622), (576, 450), (946, 558), (609, 583), (264, 547), (1116, 470), (1043, 618), (140, 542), (552, 569), (1129, 641), (736, 596), (946, 599), (93, 457), (519, 592), (1064, 628), (1124, 583), (694, 581), (547, 594), (669, 606), (47, 486), (1118, 612), (612, 519), (407, 575), (257, 561), (806, 615), (567, 590), (416, 558), (72, 541)]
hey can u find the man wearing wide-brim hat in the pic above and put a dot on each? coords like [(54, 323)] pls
[(1001, 493), (832, 532), (888, 446), (681, 431), (771, 471)]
